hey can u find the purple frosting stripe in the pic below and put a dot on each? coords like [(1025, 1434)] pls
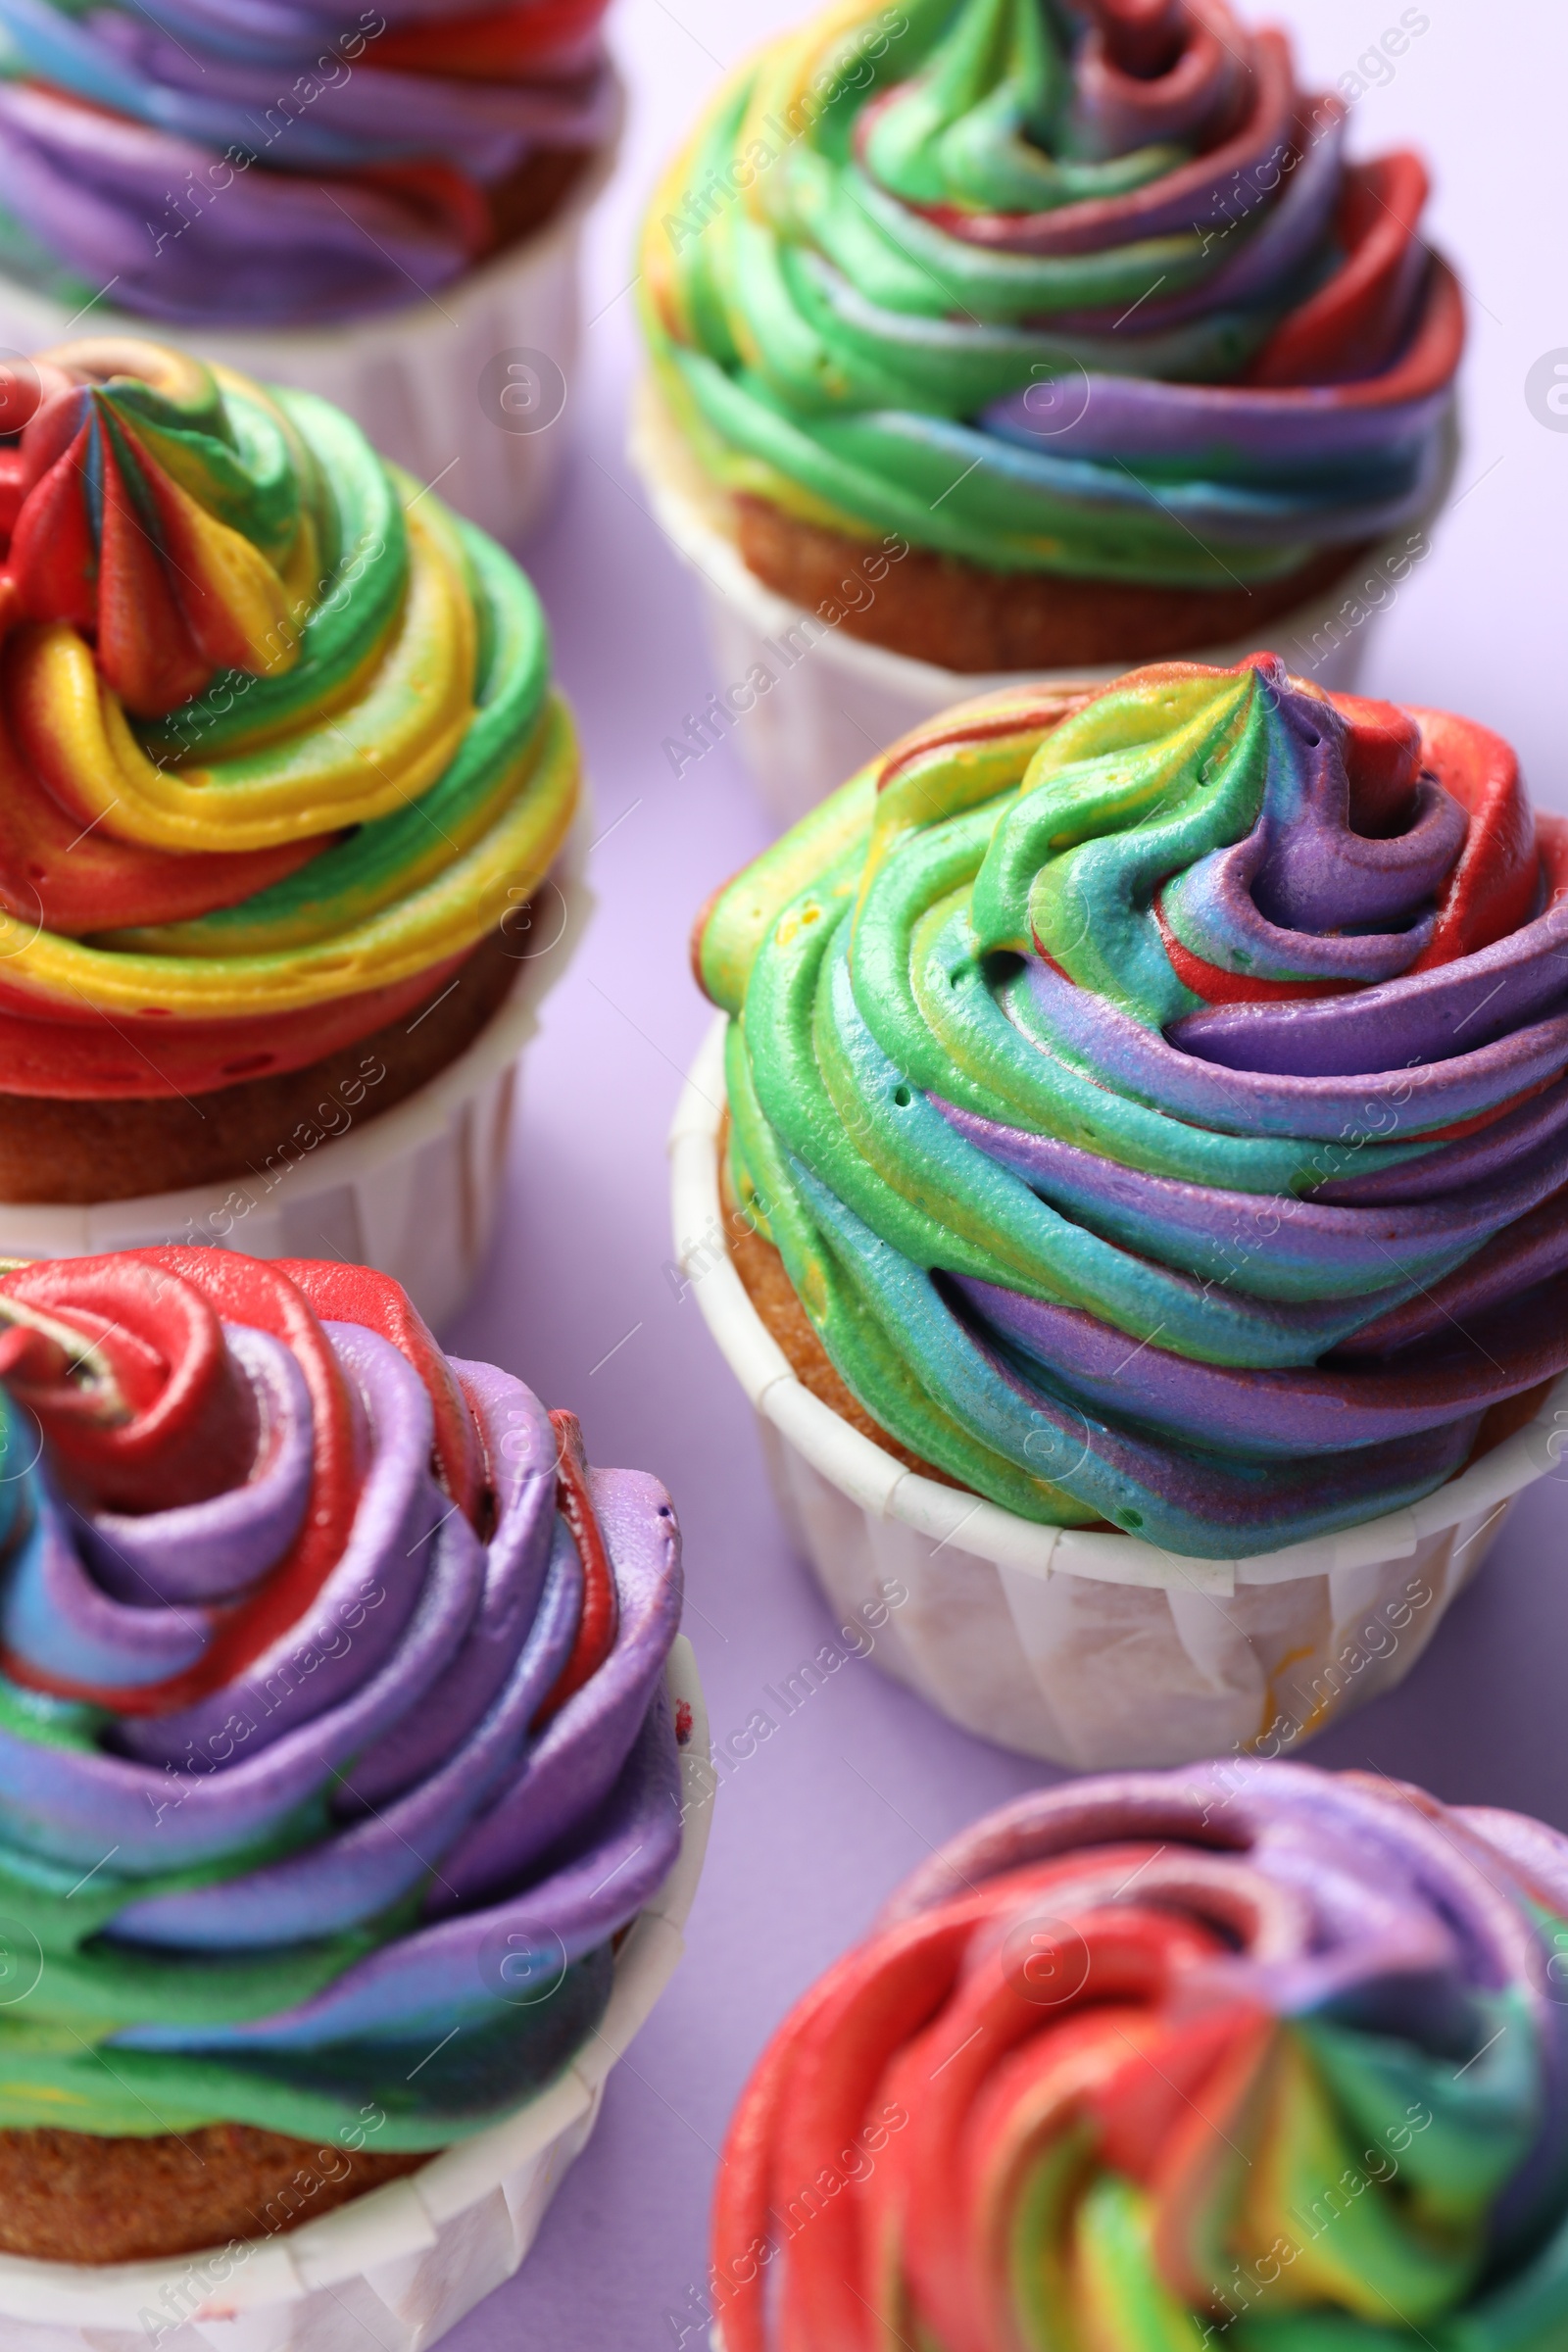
[(1230, 1491), (86, 185), (1266, 1414), (1114, 1047), (581, 1753), (72, 1805), (1258, 1243), (366, 1868), (620, 1859), (1468, 1160), (1425, 1017), (520, 1451), (1530, 1252)]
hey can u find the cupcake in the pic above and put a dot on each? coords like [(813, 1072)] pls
[(284, 780), (1146, 1116), (338, 1759), (1047, 338), (263, 180), (1270, 2058)]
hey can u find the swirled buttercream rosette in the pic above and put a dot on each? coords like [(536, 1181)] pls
[(337, 1753), (287, 165), (1245, 2055), (279, 764), (1079, 310), (1155, 1102)]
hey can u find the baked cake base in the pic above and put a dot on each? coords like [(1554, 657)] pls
[(961, 617), (69, 2197), (76, 1153)]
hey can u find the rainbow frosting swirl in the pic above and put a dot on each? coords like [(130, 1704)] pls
[(1158, 1096), (1243, 2055), (278, 742), (1072, 286), (280, 162), (334, 1748)]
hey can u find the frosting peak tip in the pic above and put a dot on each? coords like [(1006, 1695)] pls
[(111, 503)]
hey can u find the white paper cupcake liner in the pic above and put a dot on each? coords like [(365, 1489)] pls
[(1096, 1652), (837, 700), (415, 1191), (415, 378), (399, 2267)]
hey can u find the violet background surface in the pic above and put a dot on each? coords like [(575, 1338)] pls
[(811, 1832)]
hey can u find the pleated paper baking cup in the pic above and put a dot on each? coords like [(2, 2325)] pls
[(416, 1192), (1096, 1652), (835, 700), (468, 390), (400, 2265)]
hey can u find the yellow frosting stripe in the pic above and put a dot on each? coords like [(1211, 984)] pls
[(302, 923), (256, 601), (452, 912), (378, 752)]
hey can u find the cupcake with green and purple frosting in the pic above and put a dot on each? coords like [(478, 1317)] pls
[(1077, 306), (1147, 1109)]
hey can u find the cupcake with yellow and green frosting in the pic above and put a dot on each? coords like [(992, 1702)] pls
[(281, 774)]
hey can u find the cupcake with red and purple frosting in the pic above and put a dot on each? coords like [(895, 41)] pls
[(372, 205), (278, 164), (1248, 2055), (338, 1754)]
